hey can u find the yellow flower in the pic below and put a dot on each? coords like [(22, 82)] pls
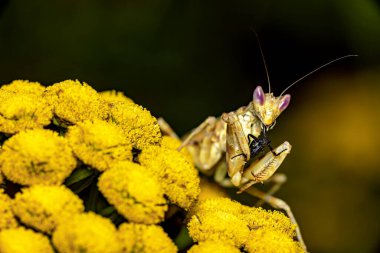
[(7, 219), (134, 191), (36, 157), (87, 232), (73, 101), (218, 226), (24, 87), (42, 207), (23, 107), (213, 246), (265, 240), (208, 218), (145, 239), (21, 240), (255, 217), (178, 177), (99, 144), (139, 125), (210, 189), (114, 96), (172, 143), (275, 220)]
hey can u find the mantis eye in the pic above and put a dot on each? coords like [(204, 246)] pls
[(284, 102), (258, 95)]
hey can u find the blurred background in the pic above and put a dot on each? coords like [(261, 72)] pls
[(186, 60)]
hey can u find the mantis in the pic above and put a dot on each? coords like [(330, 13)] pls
[(230, 144)]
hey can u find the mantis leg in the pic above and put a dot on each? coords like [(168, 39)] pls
[(279, 204), (166, 128), (208, 122), (278, 180)]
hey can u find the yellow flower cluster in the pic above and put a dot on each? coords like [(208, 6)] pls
[(145, 239), (139, 125), (37, 157), (135, 193), (23, 107), (42, 207), (7, 219), (21, 240), (172, 143), (111, 96), (87, 232), (177, 175), (99, 144), (266, 240), (73, 102), (213, 246), (221, 219)]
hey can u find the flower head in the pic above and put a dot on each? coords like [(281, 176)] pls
[(134, 191), (177, 175), (266, 240), (213, 246), (73, 101), (21, 240), (145, 239), (23, 107), (172, 143), (87, 232), (114, 96), (210, 190), (7, 219), (139, 125), (36, 157), (208, 218), (42, 207), (218, 226), (261, 218), (24, 87), (99, 144)]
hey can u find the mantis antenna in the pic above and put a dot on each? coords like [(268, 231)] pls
[(315, 70), (262, 57)]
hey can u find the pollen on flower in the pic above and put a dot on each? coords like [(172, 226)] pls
[(99, 144), (213, 246), (7, 219), (24, 86), (261, 218), (41, 207), (210, 190), (145, 239), (264, 240), (177, 175), (87, 232), (135, 192), (36, 157), (73, 101), (218, 226), (21, 240), (139, 125), (23, 107), (172, 143), (114, 96)]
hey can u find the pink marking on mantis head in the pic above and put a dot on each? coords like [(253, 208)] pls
[(284, 102), (259, 96)]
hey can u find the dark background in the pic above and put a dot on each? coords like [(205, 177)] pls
[(186, 60)]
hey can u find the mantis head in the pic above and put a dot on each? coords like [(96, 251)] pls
[(268, 107)]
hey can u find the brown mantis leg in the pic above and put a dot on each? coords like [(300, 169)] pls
[(279, 204), (209, 121), (278, 179), (166, 128)]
